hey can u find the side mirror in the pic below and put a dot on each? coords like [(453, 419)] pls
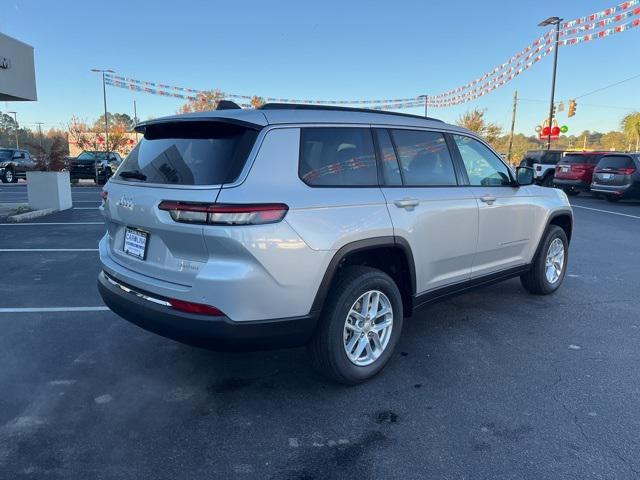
[(524, 176)]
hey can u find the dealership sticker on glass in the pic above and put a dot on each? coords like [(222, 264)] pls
[(135, 243)]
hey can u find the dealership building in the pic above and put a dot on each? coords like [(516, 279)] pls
[(17, 71)]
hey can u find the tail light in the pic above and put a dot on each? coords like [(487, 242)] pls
[(225, 214), (627, 171), (197, 308)]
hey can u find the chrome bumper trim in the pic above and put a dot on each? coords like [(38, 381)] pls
[(138, 294)]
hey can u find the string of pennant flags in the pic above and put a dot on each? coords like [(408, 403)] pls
[(605, 23)]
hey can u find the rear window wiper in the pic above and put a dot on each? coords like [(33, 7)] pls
[(138, 175)]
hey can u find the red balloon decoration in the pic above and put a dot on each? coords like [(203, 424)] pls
[(546, 131), (555, 131)]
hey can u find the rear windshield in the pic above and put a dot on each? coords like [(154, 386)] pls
[(189, 153), (6, 154), (547, 158), (92, 156), (581, 158), (615, 162)]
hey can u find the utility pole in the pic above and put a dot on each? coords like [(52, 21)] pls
[(106, 116), (513, 124), (135, 118), (15, 119), (552, 21)]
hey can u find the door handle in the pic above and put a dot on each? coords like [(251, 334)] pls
[(488, 199), (408, 203)]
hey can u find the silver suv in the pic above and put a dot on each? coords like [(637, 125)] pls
[(292, 225)]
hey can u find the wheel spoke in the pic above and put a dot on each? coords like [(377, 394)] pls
[(378, 327), (364, 308), (376, 341), (352, 343), (362, 344), (352, 327), (382, 313)]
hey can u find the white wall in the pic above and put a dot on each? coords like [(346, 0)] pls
[(17, 70)]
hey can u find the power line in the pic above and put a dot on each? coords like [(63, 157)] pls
[(607, 86)]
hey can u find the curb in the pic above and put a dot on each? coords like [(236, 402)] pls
[(21, 217)]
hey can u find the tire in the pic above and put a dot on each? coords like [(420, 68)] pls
[(9, 176), (548, 181), (328, 346), (613, 198), (571, 192), (535, 281)]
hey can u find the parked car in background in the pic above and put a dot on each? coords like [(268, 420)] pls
[(575, 171), (97, 166), (543, 163), (291, 225), (14, 164), (617, 176)]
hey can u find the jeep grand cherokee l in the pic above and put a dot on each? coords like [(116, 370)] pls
[(286, 226)]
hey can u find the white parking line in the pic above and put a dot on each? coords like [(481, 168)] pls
[(606, 211), (53, 309), (18, 224), (48, 249)]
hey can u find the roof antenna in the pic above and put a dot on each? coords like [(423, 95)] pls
[(228, 105)]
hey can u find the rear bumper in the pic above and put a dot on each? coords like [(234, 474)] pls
[(216, 333), (628, 190), (569, 183)]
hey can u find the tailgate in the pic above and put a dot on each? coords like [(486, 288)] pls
[(174, 251)]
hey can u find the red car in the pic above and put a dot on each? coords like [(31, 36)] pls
[(575, 171)]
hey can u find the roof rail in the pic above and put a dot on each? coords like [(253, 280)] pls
[(305, 106)]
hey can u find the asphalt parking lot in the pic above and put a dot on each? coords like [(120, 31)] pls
[(493, 384)]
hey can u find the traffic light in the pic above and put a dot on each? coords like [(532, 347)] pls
[(572, 108)]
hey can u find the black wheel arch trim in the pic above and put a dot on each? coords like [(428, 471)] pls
[(359, 246)]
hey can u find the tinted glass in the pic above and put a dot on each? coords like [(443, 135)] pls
[(92, 156), (390, 167), (615, 162), (4, 154), (589, 159), (483, 167), (337, 157), (424, 158), (190, 153)]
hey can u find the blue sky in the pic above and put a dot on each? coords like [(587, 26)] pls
[(321, 49)]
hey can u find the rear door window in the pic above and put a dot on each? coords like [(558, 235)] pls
[(337, 157), (424, 158), (189, 153), (614, 162)]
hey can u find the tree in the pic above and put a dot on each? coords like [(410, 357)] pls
[(204, 102), (116, 119), (474, 120), (93, 137), (614, 141), (257, 102), (631, 127)]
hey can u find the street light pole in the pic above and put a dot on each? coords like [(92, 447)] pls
[(552, 21), (106, 117), (15, 119), (426, 101)]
